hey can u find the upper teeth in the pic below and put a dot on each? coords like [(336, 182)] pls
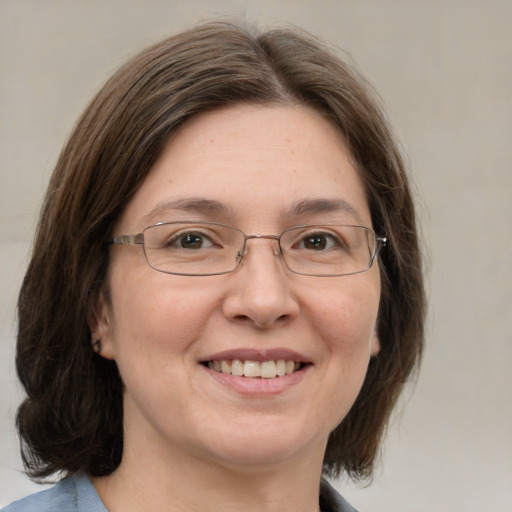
[(265, 369)]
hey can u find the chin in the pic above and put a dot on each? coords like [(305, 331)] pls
[(260, 448)]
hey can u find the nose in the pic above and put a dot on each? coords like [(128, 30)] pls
[(260, 289)]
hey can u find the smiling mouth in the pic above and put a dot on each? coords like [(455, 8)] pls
[(263, 369)]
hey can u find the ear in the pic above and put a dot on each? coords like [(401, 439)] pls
[(98, 318)]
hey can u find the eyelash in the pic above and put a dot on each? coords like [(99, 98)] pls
[(177, 238)]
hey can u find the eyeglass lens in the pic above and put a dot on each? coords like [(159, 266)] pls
[(209, 248)]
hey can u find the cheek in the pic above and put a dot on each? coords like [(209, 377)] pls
[(158, 313), (152, 332), (348, 314), (345, 320)]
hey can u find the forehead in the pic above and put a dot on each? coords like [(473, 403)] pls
[(248, 163)]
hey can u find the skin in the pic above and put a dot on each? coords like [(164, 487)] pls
[(252, 448)]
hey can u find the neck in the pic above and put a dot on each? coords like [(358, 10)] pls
[(146, 480)]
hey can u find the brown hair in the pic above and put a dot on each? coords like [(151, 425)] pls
[(72, 417)]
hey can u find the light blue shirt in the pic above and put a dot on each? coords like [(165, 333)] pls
[(77, 494), (74, 494)]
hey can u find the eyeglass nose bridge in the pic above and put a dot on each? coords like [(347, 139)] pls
[(277, 252)]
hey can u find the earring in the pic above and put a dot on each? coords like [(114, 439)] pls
[(96, 345)]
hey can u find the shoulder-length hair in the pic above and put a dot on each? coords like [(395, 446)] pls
[(72, 417)]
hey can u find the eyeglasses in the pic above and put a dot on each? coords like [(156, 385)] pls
[(192, 248)]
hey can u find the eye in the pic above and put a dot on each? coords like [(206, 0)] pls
[(190, 240), (319, 242)]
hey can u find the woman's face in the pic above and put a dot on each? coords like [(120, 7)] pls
[(262, 170)]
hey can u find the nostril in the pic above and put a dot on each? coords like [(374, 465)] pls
[(261, 323)]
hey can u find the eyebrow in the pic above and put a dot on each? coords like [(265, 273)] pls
[(197, 205), (211, 207), (316, 206)]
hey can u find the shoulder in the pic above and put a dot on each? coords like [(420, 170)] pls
[(60, 497), (331, 500), (73, 494)]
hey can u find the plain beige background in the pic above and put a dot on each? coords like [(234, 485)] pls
[(444, 68)]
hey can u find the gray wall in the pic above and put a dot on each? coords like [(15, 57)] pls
[(445, 70)]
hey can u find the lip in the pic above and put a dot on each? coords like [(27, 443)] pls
[(260, 355), (257, 386)]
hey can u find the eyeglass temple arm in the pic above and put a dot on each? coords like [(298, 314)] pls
[(127, 240)]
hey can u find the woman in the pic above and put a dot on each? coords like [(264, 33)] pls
[(225, 295)]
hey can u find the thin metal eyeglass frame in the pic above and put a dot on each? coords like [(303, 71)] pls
[(138, 239)]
